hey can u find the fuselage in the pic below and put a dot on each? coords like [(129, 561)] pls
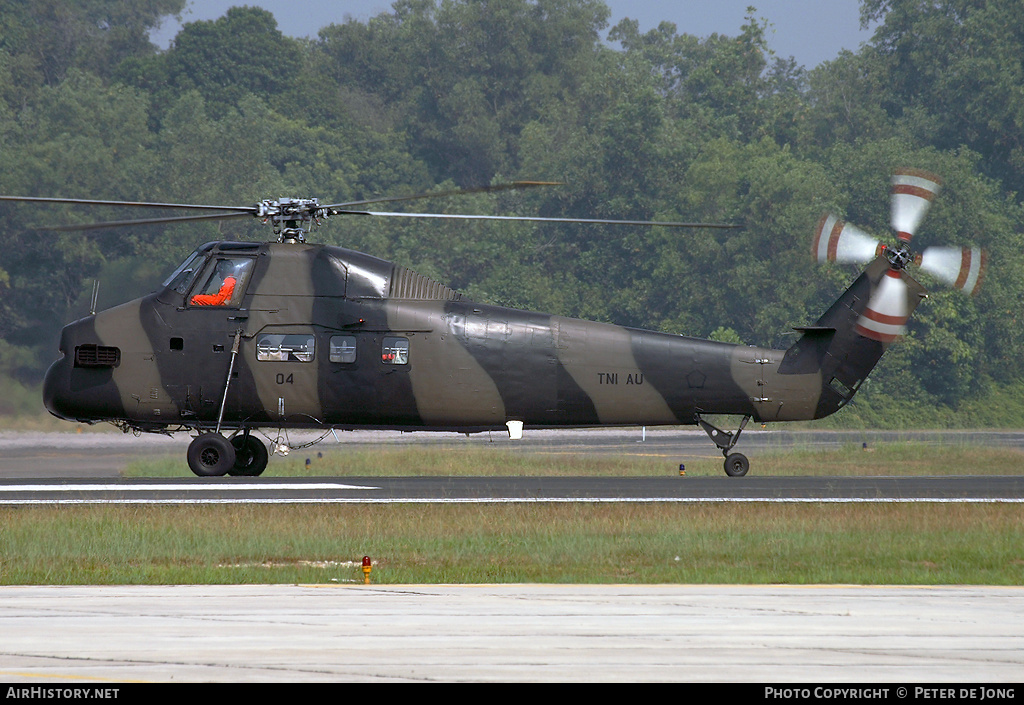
[(328, 337)]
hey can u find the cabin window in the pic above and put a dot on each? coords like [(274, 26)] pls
[(277, 347), (395, 351), (343, 348), (222, 282)]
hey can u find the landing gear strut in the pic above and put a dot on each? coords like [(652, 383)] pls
[(736, 464)]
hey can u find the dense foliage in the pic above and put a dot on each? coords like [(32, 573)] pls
[(447, 93)]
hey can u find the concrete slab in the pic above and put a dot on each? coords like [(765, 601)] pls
[(511, 633)]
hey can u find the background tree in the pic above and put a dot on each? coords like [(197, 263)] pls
[(445, 93)]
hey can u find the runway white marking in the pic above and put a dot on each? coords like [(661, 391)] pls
[(183, 488), (170, 488), (504, 500)]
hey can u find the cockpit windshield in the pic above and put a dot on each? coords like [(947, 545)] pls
[(181, 278)]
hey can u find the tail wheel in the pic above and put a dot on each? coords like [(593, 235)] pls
[(736, 465), (211, 455), (251, 456)]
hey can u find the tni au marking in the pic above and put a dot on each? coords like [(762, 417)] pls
[(613, 378)]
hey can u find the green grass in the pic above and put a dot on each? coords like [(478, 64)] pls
[(625, 543)]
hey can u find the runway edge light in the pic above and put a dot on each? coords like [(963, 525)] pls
[(366, 570)]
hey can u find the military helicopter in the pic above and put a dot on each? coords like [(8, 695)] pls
[(291, 335)]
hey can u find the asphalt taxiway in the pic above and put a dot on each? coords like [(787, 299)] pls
[(500, 490), (85, 468)]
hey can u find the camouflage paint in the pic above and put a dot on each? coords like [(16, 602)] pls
[(470, 366)]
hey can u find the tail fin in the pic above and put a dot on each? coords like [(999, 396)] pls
[(834, 349)]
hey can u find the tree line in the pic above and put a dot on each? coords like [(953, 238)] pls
[(435, 94)]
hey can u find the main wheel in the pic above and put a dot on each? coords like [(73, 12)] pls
[(736, 465), (211, 455), (251, 456)]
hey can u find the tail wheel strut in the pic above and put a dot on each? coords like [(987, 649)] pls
[(736, 464)]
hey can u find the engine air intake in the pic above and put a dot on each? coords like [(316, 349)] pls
[(97, 356)]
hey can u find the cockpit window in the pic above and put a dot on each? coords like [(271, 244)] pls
[(222, 282), (181, 278)]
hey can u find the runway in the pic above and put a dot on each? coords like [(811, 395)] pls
[(85, 468), (893, 637), (768, 634), (500, 490)]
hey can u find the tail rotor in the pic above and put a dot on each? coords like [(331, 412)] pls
[(912, 193), (959, 267), (885, 316)]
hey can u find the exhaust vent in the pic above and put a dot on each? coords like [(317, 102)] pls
[(407, 284)]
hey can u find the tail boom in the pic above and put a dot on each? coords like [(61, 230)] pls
[(823, 370)]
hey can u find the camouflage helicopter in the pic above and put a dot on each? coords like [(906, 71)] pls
[(289, 335)]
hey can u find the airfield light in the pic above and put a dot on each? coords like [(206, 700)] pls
[(366, 570)]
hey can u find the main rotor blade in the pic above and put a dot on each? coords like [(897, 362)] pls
[(538, 219), (146, 221), (451, 192), (133, 204)]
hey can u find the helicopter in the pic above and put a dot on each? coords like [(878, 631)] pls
[(287, 334)]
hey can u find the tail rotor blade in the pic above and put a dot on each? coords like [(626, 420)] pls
[(838, 241), (912, 193), (959, 267), (885, 317)]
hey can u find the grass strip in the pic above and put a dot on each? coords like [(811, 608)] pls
[(518, 543)]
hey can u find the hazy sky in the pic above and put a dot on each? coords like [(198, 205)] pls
[(812, 31)]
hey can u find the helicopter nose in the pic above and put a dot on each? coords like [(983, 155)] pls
[(79, 386), (54, 386)]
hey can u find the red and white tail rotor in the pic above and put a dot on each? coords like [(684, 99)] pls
[(838, 241), (885, 316), (959, 267), (912, 192)]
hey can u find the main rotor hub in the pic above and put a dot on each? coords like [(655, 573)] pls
[(291, 217)]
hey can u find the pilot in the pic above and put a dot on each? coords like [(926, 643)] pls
[(223, 295)]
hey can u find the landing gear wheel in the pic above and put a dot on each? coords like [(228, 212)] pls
[(211, 455), (251, 456), (736, 465)]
